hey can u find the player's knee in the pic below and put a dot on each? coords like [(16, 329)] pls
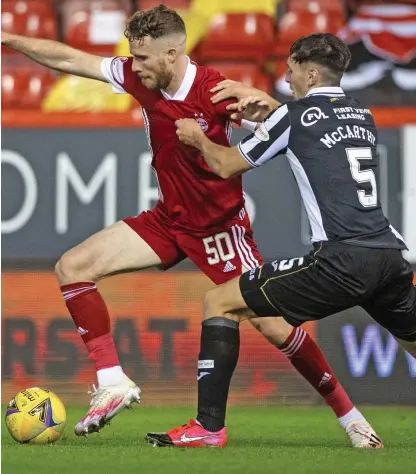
[(217, 303), (213, 304), (64, 270), (71, 269)]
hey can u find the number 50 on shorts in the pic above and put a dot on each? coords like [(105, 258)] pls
[(219, 248)]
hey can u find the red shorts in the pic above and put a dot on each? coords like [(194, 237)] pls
[(220, 255)]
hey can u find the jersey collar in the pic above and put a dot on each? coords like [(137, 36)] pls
[(328, 91), (186, 85)]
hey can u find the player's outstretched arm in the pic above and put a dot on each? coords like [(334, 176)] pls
[(224, 161), (228, 89), (55, 55)]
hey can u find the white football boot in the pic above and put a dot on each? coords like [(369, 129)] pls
[(362, 435), (106, 403)]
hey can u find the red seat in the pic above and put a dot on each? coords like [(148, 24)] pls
[(95, 26), (11, 87), (29, 18), (39, 83), (24, 87), (296, 24), (243, 36), (172, 4), (248, 73)]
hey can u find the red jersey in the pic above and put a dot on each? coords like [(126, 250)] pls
[(192, 195)]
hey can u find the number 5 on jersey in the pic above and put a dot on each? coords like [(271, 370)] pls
[(363, 176)]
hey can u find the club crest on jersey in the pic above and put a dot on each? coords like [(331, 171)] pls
[(202, 122), (312, 116), (262, 134), (117, 69)]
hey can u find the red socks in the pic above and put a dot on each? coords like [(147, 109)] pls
[(309, 361), (90, 315)]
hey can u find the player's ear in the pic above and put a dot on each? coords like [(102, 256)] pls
[(313, 76), (172, 55)]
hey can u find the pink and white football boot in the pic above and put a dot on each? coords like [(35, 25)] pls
[(362, 435), (192, 435), (106, 403)]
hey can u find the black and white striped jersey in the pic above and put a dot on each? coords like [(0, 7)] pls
[(330, 141)]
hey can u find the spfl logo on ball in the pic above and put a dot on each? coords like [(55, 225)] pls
[(311, 116)]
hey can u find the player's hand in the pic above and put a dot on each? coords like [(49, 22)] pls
[(228, 89), (5, 37), (255, 109), (189, 132)]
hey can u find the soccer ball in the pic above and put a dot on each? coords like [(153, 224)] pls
[(35, 416)]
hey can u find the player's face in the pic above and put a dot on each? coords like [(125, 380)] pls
[(297, 77), (152, 63)]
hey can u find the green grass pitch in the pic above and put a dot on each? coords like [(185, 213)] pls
[(260, 440)]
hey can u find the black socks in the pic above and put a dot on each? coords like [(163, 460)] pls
[(220, 345)]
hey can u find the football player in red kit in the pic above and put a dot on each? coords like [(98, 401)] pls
[(199, 215)]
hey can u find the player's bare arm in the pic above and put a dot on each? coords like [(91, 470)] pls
[(225, 162), (228, 89), (56, 55)]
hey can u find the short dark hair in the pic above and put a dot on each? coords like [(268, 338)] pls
[(324, 49), (158, 22)]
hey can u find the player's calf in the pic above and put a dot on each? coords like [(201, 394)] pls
[(275, 329)]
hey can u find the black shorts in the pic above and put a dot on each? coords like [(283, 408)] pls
[(333, 278)]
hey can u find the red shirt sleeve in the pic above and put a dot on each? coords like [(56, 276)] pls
[(221, 109)]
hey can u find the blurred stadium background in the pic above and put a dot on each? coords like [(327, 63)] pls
[(75, 159)]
